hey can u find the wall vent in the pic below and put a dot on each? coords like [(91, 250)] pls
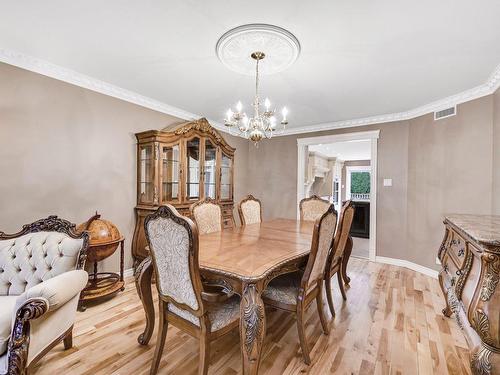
[(448, 112)]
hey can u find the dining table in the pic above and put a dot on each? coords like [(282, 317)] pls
[(243, 260)]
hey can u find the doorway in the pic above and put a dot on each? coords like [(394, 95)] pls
[(341, 167)]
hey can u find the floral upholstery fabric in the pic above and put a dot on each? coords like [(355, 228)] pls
[(169, 243), (220, 314), (28, 260), (208, 217), (313, 209), (326, 233), (343, 231), (251, 211), (284, 288)]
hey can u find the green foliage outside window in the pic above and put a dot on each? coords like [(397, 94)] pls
[(360, 182)]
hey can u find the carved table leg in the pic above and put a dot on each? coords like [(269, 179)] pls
[(447, 310), (345, 259), (143, 275), (485, 360), (252, 328)]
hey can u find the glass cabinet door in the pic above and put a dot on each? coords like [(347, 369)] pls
[(146, 174), (226, 176), (209, 170), (193, 169), (170, 172)]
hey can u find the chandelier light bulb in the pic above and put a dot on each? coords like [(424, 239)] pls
[(239, 106), (267, 103), (284, 112), (229, 115)]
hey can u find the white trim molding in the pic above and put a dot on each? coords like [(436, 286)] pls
[(373, 135), (407, 264), (60, 73), (487, 88), (49, 69)]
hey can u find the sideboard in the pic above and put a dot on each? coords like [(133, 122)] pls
[(470, 258)]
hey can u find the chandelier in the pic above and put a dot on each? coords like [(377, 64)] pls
[(263, 122)]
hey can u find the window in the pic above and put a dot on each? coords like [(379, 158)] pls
[(358, 183)]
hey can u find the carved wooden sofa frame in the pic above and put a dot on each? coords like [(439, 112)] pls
[(34, 308)]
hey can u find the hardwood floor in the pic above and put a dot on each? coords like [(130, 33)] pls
[(390, 324)]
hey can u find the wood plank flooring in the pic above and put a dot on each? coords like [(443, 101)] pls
[(390, 324)]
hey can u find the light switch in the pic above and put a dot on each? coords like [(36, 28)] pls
[(387, 181)]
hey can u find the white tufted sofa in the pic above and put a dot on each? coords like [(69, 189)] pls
[(41, 277)]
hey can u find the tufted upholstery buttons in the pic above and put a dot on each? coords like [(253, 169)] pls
[(28, 259)]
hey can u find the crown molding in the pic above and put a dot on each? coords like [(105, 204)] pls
[(75, 78), (60, 73), (487, 88)]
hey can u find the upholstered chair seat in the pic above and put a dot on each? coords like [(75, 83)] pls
[(41, 277), (294, 292), (312, 208), (284, 289), (220, 314)]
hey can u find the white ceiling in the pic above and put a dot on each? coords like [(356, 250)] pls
[(350, 150), (359, 58)]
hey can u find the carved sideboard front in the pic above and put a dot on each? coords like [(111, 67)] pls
[(470, 258)]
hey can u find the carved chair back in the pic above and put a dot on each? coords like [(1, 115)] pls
[(322, 242), (250, 210), (312, 208), (208, 215), (173, 243), (40, 251), (343, 230)]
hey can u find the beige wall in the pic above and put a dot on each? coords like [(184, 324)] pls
[(449, 170), (496, 153), (350, 163), (273, 171), (437, 167), (70, 151)]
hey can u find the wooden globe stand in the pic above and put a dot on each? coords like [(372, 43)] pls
[(103, 285), (104, 240)]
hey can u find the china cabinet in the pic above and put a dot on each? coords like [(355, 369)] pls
[(181, 165)]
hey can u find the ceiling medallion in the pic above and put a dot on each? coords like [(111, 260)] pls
[(280, 46), (245, 46)]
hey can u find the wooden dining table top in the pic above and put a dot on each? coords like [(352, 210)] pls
[(252, 250)]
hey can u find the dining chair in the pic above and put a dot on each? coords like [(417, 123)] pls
[(313, 207), (334, 263), (207, 215), (250, 210), (173, 242), (294, 292)]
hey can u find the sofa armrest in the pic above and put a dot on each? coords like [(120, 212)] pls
[(57, 290), (30, 310)]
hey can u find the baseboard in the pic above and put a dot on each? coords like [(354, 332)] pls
[(128, 273), (410, 265)]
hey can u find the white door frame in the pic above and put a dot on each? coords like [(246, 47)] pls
[(303, 143), (354, 168)]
